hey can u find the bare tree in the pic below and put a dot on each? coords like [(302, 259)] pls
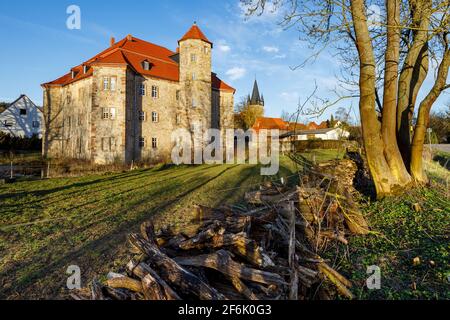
[(385, 56)]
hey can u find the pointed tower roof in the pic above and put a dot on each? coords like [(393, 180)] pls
[(195, 33), (256, 98)]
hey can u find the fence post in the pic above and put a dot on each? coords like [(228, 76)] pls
[(12, 171), (48, 169)]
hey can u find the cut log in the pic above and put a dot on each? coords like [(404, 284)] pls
[(141, 270), (336, 278), (222, 262), (152, 289), (125, 283), (238, 243), (243, 289), (260, 197), (174, 273)]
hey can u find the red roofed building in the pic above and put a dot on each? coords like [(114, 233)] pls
[(270, 124), (124, 103)]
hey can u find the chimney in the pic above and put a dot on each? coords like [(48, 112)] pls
[(129, 37), (112, 41)]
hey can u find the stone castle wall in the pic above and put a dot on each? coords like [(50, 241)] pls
[(77, 111)]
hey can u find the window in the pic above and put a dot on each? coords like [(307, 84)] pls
[(23, 112), (193, 57), (105, 83), (142, 142), (9, 123), (155, 92), (155, 143), (108, 113), (36, 124), (85, 69), (194, 103), (205, 50), (178, 119), (108, 144), (142, 116), (113, 83), (142, 89), (146, 65), (194, 76), (177, 95), (155, 117)]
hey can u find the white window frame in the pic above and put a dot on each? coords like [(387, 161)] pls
[(142, 116), (154, 143), (142, 89), (106, 81), (9, 123), (141, 142), (155, 92), (108, 113), (155, 117), (193, 57), (113, 83)]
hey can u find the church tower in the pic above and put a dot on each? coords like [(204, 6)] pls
[(195, 76), (256, 101)]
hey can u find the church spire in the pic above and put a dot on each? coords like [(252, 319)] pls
[(256, 98)]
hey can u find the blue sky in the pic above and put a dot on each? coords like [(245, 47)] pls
[(38, 47)]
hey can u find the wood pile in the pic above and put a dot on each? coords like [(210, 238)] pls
[(267, 249)]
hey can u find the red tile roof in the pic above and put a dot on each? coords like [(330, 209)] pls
[(195, 33), (220, 85), (131, 52), (270, 123), (297, 126)]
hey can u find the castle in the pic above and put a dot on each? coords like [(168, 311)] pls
[(124, 103)]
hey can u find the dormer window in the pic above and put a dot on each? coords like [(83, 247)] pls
[(146, 65), (73, 74), (85, 69)]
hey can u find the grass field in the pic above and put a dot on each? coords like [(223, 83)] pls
[(45, 226), (400, 234)]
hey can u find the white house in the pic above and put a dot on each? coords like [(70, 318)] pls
[(22, 118), (336, 133), (321, 134)]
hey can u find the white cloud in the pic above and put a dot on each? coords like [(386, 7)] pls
[(290, 96), (224, 48), (271, 49), (236, 73), (280, 56)]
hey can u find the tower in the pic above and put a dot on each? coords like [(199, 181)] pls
[(256, 101), (195, 76)]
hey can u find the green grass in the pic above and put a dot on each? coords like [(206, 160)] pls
[(23, 158), (399, 235), (45, 226)]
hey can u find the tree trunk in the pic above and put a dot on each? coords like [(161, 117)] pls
[(373, 142), (412, 76), (388, 126), (424, 119)]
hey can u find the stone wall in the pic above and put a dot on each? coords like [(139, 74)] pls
[(78, 128)]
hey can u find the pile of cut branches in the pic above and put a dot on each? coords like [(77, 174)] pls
[(266, 249)]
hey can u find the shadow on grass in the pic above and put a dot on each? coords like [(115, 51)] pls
[(38, 270)]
